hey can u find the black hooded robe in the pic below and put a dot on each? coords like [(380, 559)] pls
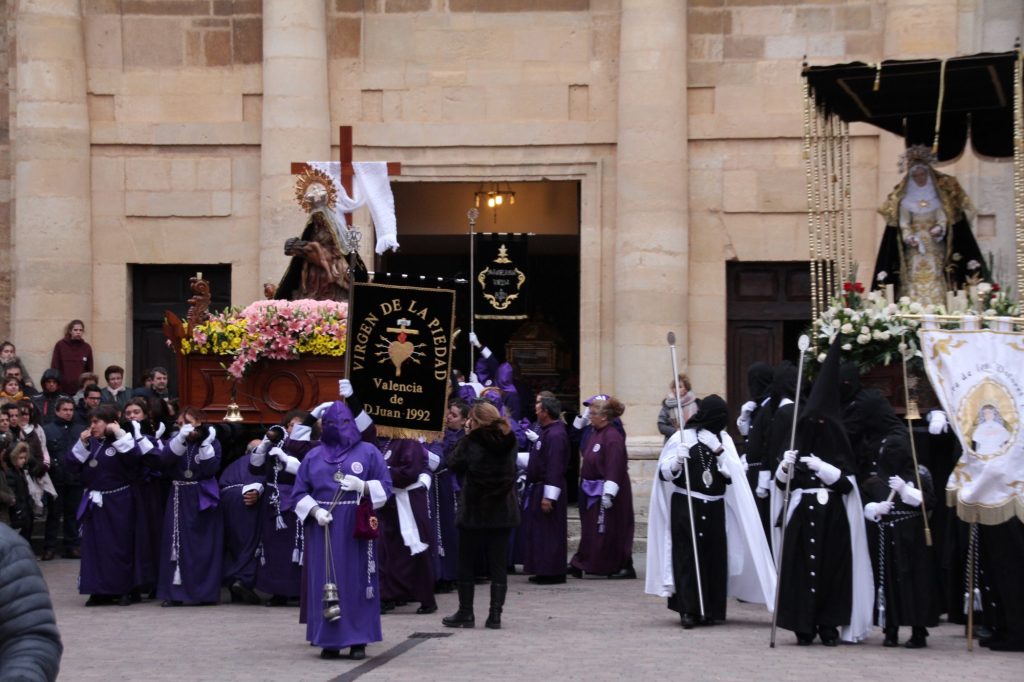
[(901, 561), (708, 520), (816, 577)]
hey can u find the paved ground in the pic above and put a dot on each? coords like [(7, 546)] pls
[(586, 630)]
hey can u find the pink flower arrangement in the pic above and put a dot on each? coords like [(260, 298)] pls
[(278, 330)]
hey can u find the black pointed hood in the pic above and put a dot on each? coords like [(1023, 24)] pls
[(820, 429), (783, 383), (760, 377)]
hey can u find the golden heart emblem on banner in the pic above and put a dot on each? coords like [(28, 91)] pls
[(399, 352)]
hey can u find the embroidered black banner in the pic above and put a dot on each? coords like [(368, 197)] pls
[(499, 285), (400, 343)]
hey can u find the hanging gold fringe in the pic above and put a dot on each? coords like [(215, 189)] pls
[(809, 171), (829, 219), (397, 432), (986, 516)]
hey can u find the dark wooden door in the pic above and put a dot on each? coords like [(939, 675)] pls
[(768, 307), (156, 288)]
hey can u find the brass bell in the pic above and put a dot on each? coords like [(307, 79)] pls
[(233, 414)]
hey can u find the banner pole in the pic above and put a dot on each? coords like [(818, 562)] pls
[(473, 214)]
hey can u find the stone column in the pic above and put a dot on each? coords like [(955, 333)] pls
[(651, 230), (52, 260), (296, 118)]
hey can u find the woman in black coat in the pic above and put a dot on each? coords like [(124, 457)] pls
[(485, 464)]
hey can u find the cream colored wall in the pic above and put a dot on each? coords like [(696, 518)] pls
[(459, 92)]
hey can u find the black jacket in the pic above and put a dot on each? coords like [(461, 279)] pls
[(60, 438), (20, 512), (30, 646), (485, 463), (47, 402)]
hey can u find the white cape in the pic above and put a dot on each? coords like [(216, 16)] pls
[(751, 571), (863, 578)]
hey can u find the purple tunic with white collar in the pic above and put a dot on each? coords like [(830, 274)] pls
[(352, 561), (107, 513), (192, 547)]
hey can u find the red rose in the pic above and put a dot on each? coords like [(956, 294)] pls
[(858, 287), (995, 287), (847, 286)]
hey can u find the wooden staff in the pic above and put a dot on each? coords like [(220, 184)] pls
[(803, 344), (913, 450)]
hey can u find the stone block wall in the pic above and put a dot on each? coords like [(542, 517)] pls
[(471, 89), (6, 206)]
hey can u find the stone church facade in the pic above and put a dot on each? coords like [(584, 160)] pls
[(162, 131)]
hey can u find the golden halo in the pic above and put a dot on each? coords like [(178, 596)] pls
[(309, 178)]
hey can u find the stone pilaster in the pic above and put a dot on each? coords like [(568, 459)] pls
[(52, 223), (651, 232), (296, 118)]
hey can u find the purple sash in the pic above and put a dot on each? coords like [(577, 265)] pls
[(209, 494), (592, 489)]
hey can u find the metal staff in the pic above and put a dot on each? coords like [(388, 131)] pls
[(913, 447), (803, 344), (472, 215), (686, 469), (350, 240)]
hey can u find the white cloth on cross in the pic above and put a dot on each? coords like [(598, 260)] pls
[(370, 187)]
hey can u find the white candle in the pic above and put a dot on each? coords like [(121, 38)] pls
[(890, 295), (199, 275)]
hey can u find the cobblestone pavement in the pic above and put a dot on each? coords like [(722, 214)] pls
[(586, 629)]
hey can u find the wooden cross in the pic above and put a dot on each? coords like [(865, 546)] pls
[(347, 170)]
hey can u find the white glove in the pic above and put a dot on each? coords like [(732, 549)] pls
[(210, 437), (606, 501), (474, 340), (319, 410), (473, 379), (263, 447), (185, 430), (322, 516), (582, 419), (281, 455), (743, 461), (764, 481), (937, 422), (786, 465), (825, 471), (351, 482), (136, 430), (743, 420), (531, 436), (345, 389), (896, 483), (160, 430), (682, 453), (874, 511), (709, 439)]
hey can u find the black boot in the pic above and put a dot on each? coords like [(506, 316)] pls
[(498, 592), (919, 638), (892, 636), (463, 618)]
